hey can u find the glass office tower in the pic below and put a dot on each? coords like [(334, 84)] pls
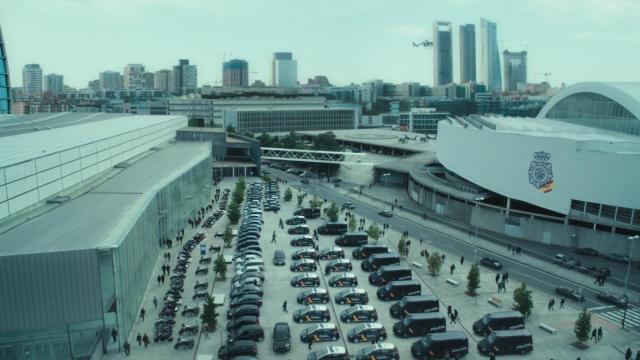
[(5, 101)]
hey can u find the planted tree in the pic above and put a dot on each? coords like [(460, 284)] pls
[(237, 196), (352, 223), (374, 232), (233, 212), (316, 203), (334, 212), (583, 326), (523, 300), (434, 263), (209, 315), (241, 184), (288, 195), (402, 247), (227, 236), (220, 266), (473, 280)]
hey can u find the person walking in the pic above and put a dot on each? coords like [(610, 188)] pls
[(205, 330), (455, 314), (284, 306), (562, 300), (145, 340), (594, 335), (114, 335), (142, 312), (449, 311), (159, 276), (497, 278), (127, 348), (139, 339), (155, 302), (461, 260), (550, 305), (453, 267), (627, 355), (506, 277), (162, 278), (310, 343), (600, 334), (443, 258)]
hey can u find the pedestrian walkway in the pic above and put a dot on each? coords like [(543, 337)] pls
[(615, 315)]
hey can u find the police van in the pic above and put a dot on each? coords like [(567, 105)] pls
[(506, 342), (502, 320), (390, 273), (444, 345), (399, 289), (420, 324), (414, 304)]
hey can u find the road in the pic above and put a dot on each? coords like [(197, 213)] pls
[(542, 279)]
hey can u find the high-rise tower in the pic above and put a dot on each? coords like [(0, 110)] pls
[(467, 53), (235, 73), (515, 69), (32, 80), (442, 53), (5, 98), (489, 56), (284, 70)]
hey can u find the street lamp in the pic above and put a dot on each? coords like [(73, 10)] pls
[(386, 177), (626, 279)]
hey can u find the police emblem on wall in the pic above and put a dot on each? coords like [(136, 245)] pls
[(540, 172)]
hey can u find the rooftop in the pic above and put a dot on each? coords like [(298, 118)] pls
[(102, 216), (20, 124), (381, 137), (202, 129)]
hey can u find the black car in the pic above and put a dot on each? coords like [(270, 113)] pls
[(616, 300), (320, 332), (246, 290), (312, 313), (569, 293), (296, 220), (617, 257), (259, 275), (378, 351), (281, 337), (385, 213), (313, 296), (238, 348), (309, 253), (242, 321), (248, 299), (367, 332), (334, 252), (352, 296), (279, 258), (192, 310), (305, 280), (300, 229), (491, 262), (253, 332), (243, 310), (338, 265), (348, 205), (303, 265), (302, 241), (586, 251), (184, 344), (343, 279), (359, 313)]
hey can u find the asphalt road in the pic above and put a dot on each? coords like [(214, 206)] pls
[(541, 279)]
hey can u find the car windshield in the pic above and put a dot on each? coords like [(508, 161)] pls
[(491, 338), (485, 320), (403, 302), (426, 341), (357, 329), (406, 321)]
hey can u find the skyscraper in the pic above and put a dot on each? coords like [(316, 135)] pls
[(54, 83), (163, 80), (110, 80), (515, 69), (5, 97), (442, 53), (284, 70), (32, 80), (133, 77), (185, 78), (489, 56), (235, 73), (467, 53)]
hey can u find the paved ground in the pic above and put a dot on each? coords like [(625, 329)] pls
[(278, 289)]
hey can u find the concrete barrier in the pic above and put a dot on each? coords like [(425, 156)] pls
[(495, 301), (547, 328), (452, 282), (416, 264)]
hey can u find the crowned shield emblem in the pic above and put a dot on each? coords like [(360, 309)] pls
[(541, 172)]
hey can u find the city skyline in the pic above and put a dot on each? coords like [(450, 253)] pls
[(384, 53)]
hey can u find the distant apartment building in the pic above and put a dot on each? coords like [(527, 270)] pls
[(515, 69), (421, 120), (185, 78), (110, 80), (54, 84), (467, 53), (442, 53), (5, 90), (408, 90), (269, 120), (32, 80), (148, 80), (235, 73), (284, 70), (489, 56), (133, 77), (163, 80)]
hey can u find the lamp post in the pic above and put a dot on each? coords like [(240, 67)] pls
[(386, 177), (626, 278)]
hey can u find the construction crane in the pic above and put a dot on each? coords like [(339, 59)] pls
[(546, 75), (425, 43)]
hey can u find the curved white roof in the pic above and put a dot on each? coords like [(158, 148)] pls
[(626, 94)]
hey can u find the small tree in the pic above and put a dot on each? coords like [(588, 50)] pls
[(300, 198), (233, 212), (352, 223), (374, 232), (227, 236), (473, 279), (209, 315), (583, 326), (315, 202), (288, 195), (220, 266), (334, 212), (402, 247), (238, 195), (434, 262), (241, 184), (523, 300)]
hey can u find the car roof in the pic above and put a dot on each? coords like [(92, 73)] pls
[(344, 274), (306, 274), (323, 326), (370, 326), (354, 290), (335, 261), (315, 307), (242, 343), (510, 333)]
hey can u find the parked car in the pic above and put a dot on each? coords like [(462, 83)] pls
[(320, 332), (313, 296), (299, 229), (385, 213), (329, 353), (569, 293), (586, 251), (333, 252), (359, 313), (303, 265), (617, 258), (305, 240), (309, 253), (278, 258), (242, 321), (281, 337), (352, 296), (348, 205), (613, 299), (381, 351), (367, 332), (343, 279), (338, 265), (312, 313), (237, 349), (491, 262), (305, 280), (296, 220)]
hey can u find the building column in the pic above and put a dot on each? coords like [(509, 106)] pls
[(508, 206)]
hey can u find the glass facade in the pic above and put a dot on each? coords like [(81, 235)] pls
[(124, 273), (257, 122), (595, 110), (5, 102)]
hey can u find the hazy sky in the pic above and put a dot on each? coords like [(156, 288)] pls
[(348, 41)]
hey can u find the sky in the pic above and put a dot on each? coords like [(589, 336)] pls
[(349, 41)]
